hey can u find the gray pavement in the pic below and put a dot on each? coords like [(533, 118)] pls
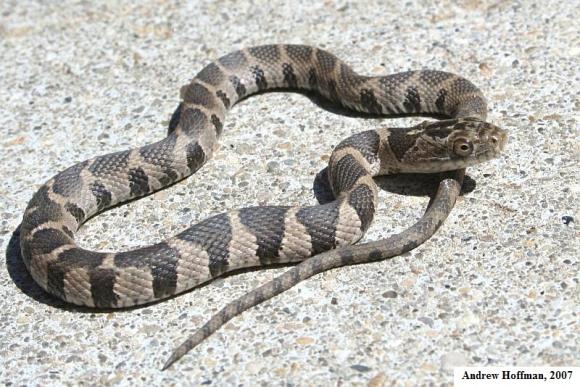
[(497, 285)]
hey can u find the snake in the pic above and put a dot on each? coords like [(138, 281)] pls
[(317, 237)]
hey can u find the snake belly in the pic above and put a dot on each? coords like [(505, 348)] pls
[(248, 237)]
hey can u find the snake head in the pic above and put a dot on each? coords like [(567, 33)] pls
[(474, 141), (451, 144)]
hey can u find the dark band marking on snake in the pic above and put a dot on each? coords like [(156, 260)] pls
[(260, 235)]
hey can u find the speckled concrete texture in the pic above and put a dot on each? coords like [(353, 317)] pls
[(497, 285)]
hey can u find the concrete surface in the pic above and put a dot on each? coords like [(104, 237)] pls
[(498, 284)]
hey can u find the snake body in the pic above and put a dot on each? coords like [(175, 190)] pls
[(256, 236)]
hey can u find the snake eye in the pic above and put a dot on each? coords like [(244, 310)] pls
[(462, 147)]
